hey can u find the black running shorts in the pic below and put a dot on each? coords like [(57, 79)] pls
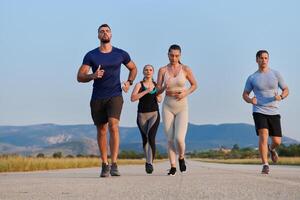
[(102, 109), (270, 122)]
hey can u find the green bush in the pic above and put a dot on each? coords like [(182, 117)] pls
[(57, 155), (40, 155)]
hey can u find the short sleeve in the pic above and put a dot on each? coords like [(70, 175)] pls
[(87, 60), (248, 85), (281, 82), (126, 58)]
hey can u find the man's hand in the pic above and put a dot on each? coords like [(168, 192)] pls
[(98, 73), (125, 86), (254, 100), (278, 97)]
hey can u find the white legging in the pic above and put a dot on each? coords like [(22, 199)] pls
[(175, 119)]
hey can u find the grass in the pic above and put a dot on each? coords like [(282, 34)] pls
[(281, 161), (24, 164)]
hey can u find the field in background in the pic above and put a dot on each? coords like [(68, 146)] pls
[(23, 164), (281, 161)]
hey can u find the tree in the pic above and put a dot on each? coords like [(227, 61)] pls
[(57, 154), (40, 155)]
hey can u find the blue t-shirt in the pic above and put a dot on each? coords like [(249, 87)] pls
[(109, 85), (265, 86)]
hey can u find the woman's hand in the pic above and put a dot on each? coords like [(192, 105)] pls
[(180, 94)]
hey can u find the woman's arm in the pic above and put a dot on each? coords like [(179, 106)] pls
[(190, 77), (160, 79), (136, 95), (193, 84)]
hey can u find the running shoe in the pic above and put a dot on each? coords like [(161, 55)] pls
[(104, 170), (273, 154), (182, 165), (265, 169), (114, 170), (172, 171), (149, 168)]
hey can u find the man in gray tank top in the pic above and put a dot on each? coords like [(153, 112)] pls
[(265, 83)]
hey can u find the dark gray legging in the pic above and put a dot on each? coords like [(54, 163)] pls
[(148, 124)]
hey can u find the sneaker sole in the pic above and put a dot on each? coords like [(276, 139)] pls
[(171, 174), (115, 174)]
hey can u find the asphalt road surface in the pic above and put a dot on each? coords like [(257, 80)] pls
[(202, 181)]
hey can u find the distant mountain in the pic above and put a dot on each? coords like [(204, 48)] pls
[(81, 139)]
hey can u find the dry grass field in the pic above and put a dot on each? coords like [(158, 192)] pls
[(21, 164)]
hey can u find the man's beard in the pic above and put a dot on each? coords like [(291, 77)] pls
[(105, 41)]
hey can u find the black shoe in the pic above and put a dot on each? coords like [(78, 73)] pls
[(104, 170), (149, 168), (114, 170), (172, 171), (182, 165), (265, 169)]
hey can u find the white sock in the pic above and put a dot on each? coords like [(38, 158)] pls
[(266, 164)]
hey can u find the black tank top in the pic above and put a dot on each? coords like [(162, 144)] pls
[(148, 103)]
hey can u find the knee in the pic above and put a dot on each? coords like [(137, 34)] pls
[(277, 142), (144, 140), (101, 131), (263, 136), (113, 128), (151, 142), (171, 143), (180, 142)]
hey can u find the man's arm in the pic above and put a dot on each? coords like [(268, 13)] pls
[(132, 70), (83, 75), (284, 94), (132, 74), (246, 97)]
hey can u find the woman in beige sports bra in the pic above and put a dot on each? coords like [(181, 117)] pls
[(172, 79)]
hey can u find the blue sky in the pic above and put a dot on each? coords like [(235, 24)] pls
[(42, 45)]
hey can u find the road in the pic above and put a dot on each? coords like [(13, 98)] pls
[(202, 181)]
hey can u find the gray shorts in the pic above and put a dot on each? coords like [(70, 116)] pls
[(102, 109)]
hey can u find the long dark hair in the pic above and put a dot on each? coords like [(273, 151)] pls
[(175, 47)]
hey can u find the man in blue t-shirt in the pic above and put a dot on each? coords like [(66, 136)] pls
[(265, 83), (107, 101)]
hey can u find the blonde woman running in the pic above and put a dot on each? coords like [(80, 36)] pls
[(148, 117), (172, 79)]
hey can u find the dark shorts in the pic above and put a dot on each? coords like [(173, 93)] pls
[(270, 122), (102, 109)]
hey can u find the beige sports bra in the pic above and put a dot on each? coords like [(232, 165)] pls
[(176, 83)]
